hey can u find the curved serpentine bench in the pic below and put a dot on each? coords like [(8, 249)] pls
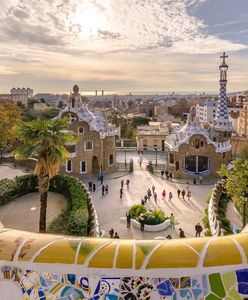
[(54, 266)]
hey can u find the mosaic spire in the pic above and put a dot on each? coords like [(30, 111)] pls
[(222, 120)]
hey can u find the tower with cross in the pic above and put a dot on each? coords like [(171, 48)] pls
[(222, 123)]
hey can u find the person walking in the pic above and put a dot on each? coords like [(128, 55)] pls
[(181, 233), (94, 187), (142, 223), (122, 183), (170, 175), (155, 197), (121, 193), (103, 190), (178, 193), (163, 195), (101, 178), (153, 189), (198, 230), (143, 202), (145, 199), (106, 188), (189, 195), (200, 179), (167, 175), (128, 219), (111, 233), (116, 236), (172, 221), (127, 183), (149, 194), (90, 186), (170, 196), (183, 194), (162, 173)]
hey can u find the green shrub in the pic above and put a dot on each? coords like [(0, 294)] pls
[(153, 217), (7, 190), (73, 220), (136, 210)]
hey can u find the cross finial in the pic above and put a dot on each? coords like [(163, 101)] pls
[(224, 56)]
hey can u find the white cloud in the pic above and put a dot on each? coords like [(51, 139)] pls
[(109, 25)]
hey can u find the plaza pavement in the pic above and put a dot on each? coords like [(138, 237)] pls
[(110, 207)]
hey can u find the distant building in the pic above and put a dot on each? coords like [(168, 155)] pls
[(152, 136), (243, 121), (94, 153), (147, 108), (194, 150), (21, 95)]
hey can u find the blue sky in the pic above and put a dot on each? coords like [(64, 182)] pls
[(122, 46)]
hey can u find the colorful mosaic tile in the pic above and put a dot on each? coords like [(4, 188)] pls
[(49, 286)]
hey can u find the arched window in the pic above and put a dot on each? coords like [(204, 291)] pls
[(197, 144), (80, 130)]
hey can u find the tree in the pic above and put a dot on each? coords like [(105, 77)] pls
[(137, 121), (10, 115), (44, 140), (114, 117), (244, 153), (236, 180)]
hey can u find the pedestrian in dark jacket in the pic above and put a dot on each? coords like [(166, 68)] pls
[(178, 193), (101, 178), (103, 190), (183, 194), (106, 188), (121, 193), (198, 230), (111, 232), (181, 233), (94, 187)]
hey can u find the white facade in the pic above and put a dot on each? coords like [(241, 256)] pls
[(21, 95)]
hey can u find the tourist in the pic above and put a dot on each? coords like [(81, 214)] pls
[(143, 202), (167, 175), (149, 194), (162, 173), (121, 193), (90, 186), (145, 199), (94, 187), (200, 179), (170, 175), (122, 183), (116, 236), (172, 221), (155, 197), (189, 195), (127, 183), (142, 222), (101, 178), (183, 194), (111, 233), (198, 230), (153, 189), (178, 193), (170, 196), (128, 219), (181, 233), (106, 189), (163, 195), (103, 190), (169, 237)]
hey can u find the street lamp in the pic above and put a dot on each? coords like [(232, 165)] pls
[(245, 199), (125, 153)]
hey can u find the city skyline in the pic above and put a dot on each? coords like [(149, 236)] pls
[(123, 46)]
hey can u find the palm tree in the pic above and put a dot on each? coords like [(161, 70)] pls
[(44, 140)]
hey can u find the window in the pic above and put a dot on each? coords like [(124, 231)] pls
[(83, 166), (197, 144), (69, 166), (111, 159), (202, 143), (80, 130), (171, 158), (88, 145)]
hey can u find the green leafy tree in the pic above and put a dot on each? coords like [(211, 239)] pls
[(114, 117), (44, 140), (236, 181), (244, 153), (138, 121), (10, 115)]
